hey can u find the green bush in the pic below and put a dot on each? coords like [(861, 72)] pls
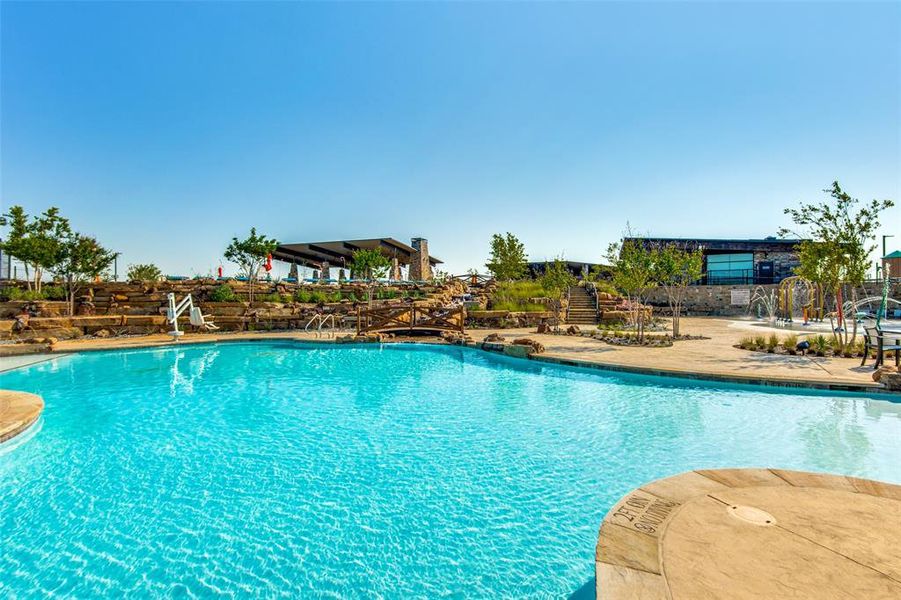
[(819, 345), (303, 296), (275, 297), (15, 294), (318, 297), (759, 341), (54, 292), (747, 343), (223, 293), (386, 294), (790, 343), (772, 342), (605, 287), (144, 272)]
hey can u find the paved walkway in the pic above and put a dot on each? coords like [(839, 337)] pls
[(752, 533), (715, 356)]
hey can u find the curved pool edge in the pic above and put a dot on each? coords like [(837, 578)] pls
[(18, 412), (76, 347), (763, 525)]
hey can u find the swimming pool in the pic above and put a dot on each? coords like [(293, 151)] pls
[(395, 471)]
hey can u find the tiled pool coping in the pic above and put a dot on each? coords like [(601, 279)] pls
[(752, 533)]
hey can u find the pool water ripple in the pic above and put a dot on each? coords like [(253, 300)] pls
[(403, 471)]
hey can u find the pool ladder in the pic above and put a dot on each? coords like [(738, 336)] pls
[(319, 322)]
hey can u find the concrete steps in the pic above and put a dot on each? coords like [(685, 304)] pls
[(581, 310)]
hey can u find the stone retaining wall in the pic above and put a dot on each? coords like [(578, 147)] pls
[(703, 300), (128, 308)]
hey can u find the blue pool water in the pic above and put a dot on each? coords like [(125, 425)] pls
[(401, 471)]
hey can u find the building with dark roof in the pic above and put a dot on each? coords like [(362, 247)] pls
[(737, 261), (339, 253)]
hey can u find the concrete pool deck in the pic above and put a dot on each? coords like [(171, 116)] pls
[(752, 533), (18, 412), (712, 358)]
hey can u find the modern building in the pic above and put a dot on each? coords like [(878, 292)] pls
[(739, 262), (580, 270), (323, 256)]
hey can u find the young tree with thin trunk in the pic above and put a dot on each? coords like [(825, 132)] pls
[(38, 242), (837, 253), (675, 268), (369, 265), (508, 258), (250, 254), (84, 259), (556, 281), (633, 276)]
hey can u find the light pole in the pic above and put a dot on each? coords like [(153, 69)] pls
[(884, 253)]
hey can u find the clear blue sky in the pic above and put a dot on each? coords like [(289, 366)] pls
[(166, 128)]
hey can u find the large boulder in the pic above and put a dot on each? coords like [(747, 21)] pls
[(573, 330), (881, 372), (494, 337), (534, 347)]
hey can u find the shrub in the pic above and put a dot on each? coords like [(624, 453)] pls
[(336, 297), (302, 296), (53, 292), (276, 297), (223, 293), (15, 294), (747, 343), (772, 342), (759, 341), (144, 272), (820, 345), (318, 297), (790, 343), (859, 346)]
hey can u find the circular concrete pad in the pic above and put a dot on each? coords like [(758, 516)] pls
[(18, 412), (752, 533)]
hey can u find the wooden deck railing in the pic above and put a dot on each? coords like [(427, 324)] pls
[(410, 318)]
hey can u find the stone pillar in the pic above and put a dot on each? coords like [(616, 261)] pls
[(395, 274), (292, 274), (324, 274), (420, 268)]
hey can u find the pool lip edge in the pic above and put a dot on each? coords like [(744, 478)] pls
[(772, 382)]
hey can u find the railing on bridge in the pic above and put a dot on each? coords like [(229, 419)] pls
[(410, 318)]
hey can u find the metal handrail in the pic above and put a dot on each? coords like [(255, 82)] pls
[(322, 320)]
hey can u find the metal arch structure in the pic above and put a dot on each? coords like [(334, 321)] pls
[(811, 310)]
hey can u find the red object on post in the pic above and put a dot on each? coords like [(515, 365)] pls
[(268, 265), (220, 271)]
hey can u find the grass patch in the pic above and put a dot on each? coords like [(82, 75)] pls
[(516, 296)]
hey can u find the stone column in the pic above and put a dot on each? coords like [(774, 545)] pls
[(420, 268), (395, 274), (324, 274), (293, 272)]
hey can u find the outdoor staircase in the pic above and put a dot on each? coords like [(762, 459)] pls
[(582, 308)]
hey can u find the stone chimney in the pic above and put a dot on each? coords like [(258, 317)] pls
[(394, 275), (420, 268)]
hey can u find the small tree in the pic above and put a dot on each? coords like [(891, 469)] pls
[(675, 268), (633, 276), (369, 265), (37, 242), (250, 254), (83, 259), (144, 273), (555, 282), (508, 257), (838, 251)]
